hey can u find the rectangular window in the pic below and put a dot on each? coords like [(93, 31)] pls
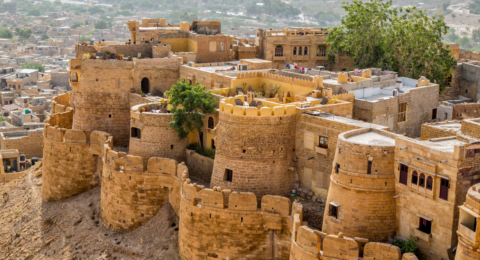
[(425, 226), (333, 211), (135, 133), (434, 114), (228, 175), (323, 142), (402, 112), (403, 174), (444, 185), (337, 167), (222, 46), (369, 168)]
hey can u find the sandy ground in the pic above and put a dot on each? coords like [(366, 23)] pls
[(72, 228)]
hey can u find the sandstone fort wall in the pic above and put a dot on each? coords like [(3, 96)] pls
[(225, 224), (71, 161), (132, 193)]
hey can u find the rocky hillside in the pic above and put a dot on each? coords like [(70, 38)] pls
[(72, 229)]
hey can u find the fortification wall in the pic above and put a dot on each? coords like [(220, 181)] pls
[(199, 166), (228, 225), (309, 244), (365, 203), (132, 193), (70, 163), (257, 146), (157, 139)]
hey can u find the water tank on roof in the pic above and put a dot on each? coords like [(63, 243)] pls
[(22, 158)]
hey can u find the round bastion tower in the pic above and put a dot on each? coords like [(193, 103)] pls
[(360, 200), (151, 136), (255, 148), (468, 231), (100, 97)]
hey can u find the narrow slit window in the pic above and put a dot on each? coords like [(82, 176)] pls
[(333, 211), (369, 167)]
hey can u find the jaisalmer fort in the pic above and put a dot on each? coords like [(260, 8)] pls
[(311, 161)]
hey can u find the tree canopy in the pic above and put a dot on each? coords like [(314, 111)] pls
[(84, 39), (45, 36), (405, 40), (75, 25), (101, 24), (34, 12), (190, 104), (31, 65), (25, 34), (6, 33)]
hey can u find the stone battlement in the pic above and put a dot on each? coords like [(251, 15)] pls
[(228, 106), (124, 206)]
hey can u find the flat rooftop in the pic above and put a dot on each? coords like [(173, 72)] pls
[(448, 126), (372, 138), (347, 121), (447, 145)]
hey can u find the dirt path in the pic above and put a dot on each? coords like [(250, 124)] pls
[(72, 229)]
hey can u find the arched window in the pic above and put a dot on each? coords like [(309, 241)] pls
[(429, 183), (299, 51), (415, 177), (422, 180), (279, 51), (305, 51), (211, 123), (294, 51)]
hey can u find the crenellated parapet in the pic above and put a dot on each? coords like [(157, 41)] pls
[(132, 192), (61, 103), (254, 150), (71, 163), (223, 224)]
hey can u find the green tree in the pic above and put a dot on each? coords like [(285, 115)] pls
[(453, 17), (95, 10), (24, 34), (409, 246), (31, 65), (6, 33), (127, 6), (45, 36), (476, 35), (34, 12), (84, 39), (465, 42), (76, 25), (190, 104), (101, 24), (408, 41)]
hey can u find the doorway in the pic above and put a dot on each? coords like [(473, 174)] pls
[(145, 86)]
